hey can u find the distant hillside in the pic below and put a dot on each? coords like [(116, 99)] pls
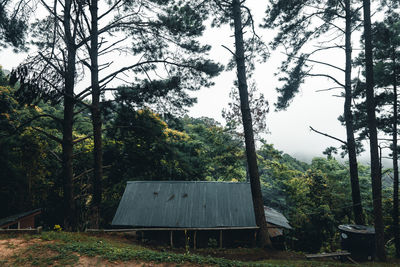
[(294, 163), (6, 72)]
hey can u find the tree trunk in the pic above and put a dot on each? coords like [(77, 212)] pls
[(67, 153), (67, 144), (376, 175), (70, 222), (96, 117), (263, 237), (348, 116), (395, 162)]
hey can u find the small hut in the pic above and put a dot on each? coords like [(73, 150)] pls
[(203, 212), (276, 223), (24, 220)]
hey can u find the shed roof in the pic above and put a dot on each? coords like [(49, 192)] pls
[(358, 229), (16, 217), (185, 205), (273, 216)]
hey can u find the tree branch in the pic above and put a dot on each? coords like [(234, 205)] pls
[(316, 61), (229, 50), (82, 139), (329, 89), (109, 10), (87, 171), (327, 135), (52, 137), (56, 156), (115, 73), (51, 11), (327, 76)]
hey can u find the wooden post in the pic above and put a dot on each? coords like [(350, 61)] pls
[(194, 239), (255, 238), (171, 238), (141, 236), (186, 241), (220, 238)]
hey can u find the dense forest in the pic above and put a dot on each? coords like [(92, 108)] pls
[(74, 129)]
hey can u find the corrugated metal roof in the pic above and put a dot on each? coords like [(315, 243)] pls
[(359, 229), (274, 232), (185, 204), (16, 217), (275, 217)]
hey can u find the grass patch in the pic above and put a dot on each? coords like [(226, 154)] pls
[(39, 255), (64, 250), (114, 251)]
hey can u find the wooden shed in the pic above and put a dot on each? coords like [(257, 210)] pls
[(24, 220), (221, 211)]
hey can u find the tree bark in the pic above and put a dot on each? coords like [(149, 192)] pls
[(395, 162), (96, 117), (263, 237), (348, 116), (376, 175), (70, 222)]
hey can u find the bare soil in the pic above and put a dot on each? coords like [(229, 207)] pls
[(85, 261), (11, 246), (14, 246)]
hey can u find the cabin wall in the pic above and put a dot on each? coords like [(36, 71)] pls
[(28, 222), (203, 238)]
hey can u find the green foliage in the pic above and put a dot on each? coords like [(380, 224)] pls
[(14, 24), (29, 160), (221, 154), (291, 83), (315, 198), (182, 20), (23, 157), (386, 43), (274, 174), (141, 146), (212, 243)]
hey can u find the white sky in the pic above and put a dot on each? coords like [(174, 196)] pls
[(289, 130)]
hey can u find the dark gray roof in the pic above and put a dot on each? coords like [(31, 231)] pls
[(275, 217), (186, 205), (359, 229), (16, 217)]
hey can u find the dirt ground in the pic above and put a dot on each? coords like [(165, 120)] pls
[(85, 261), (9, 247), (13, 246)]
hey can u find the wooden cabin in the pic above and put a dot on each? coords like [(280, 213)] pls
[(24, 220), (203, 212)]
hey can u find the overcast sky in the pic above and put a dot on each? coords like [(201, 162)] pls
[(289, 130)]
